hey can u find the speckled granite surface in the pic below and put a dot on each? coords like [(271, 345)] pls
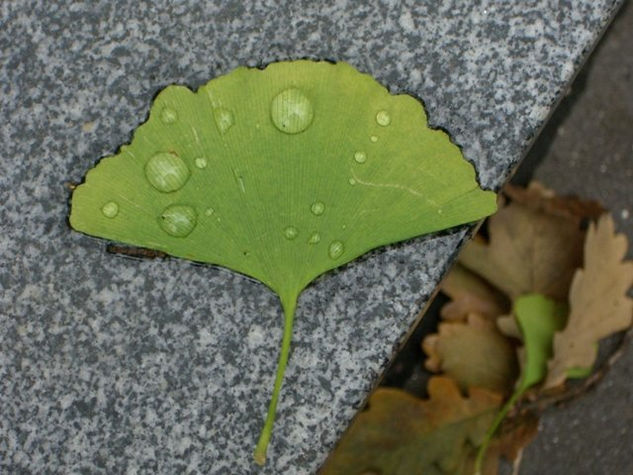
[(114, 365)]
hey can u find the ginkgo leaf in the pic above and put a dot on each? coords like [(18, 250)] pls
[(469, 293), (402, 435), (473, 353), (538, 317), (598, 302), (529, 252), (281, 174)]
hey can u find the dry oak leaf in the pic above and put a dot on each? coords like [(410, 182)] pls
[(598, 302), (469, 293), (513, 436), (508, 325), (473, 353), (529, 252), (403, 435), (540, 198)]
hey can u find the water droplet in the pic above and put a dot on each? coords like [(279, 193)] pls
[(315, 238), (224, 119), (110, 209), (290, 233), (351, 181), (360, 157), (373, 138), (336, 249), (439, 211), (317, 208), (383, 118), (201, 162), (291, 111), (168, 115), (178, 220), (209, 211), (166, 172)]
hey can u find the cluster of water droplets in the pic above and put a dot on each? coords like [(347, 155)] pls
[(291, 112)]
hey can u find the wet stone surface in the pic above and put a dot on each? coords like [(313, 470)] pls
[(115, 365)]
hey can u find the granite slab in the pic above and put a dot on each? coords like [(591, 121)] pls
[(115, 365)]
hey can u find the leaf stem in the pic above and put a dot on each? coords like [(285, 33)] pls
[(481, 453), (262, 445)]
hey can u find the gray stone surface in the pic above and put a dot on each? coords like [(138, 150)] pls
[(113, 365)]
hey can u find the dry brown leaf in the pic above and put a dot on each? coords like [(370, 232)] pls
[(598, 302), (507, 325), (470, 294), (529, 252), (473, 353), (539, 198), (402, 435), (513, 436)]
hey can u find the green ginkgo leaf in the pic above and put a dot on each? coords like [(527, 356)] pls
[(281, 174)]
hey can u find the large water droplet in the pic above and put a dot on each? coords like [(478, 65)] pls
[(201, 162), (110, 209), (166, 172), (315, 238), (383, 118), (168, 115), (336, 249), (178, 220), (224, 119), (317, 208), (291, 111), (360, 157), (290, 233)]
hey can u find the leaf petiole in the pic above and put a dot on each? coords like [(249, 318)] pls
[(289, 307)]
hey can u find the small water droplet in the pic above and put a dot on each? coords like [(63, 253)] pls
[(291, 111), (209, 211), (351, 181), (383, 118), (290, 233), (168, 115), (166, 172), (317, 208), (360, 157), (201, 162), (315, 238), (110, 209), (336, 249), (440, 211), (178, 220), (373, 138), (224, 119)]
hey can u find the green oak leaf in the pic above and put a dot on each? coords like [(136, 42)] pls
[(281, 174)]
